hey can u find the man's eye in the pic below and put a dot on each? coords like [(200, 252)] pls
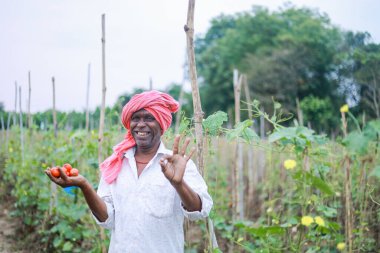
[(149, 118)]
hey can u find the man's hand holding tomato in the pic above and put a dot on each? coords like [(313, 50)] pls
[(61, 178)]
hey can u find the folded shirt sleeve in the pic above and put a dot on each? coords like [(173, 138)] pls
[(196, 182), (104, 192)]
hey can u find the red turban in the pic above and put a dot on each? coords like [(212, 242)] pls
[(160, 105)]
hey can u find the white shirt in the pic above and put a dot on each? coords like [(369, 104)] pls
[(145, 213)]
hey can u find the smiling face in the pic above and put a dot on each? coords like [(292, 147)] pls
[(146, 130)]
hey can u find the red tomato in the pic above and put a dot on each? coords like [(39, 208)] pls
[(55, 172), (67, 166), (74, 172)]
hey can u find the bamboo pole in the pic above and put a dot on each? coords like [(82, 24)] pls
[(299, 112), (53, 186), (349, 224), (88, 97), (198, 113), (102, 113), (150, 83), (2, 128), (15, 111), (29, 99), (238, 160), (21, 128), (7, 134), (251, 169), (104, 89)]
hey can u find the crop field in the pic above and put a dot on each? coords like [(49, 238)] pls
[(299, 191)]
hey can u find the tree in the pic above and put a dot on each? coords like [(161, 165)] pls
[(285, 54)]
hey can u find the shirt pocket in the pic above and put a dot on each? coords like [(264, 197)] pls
[(159, 199)]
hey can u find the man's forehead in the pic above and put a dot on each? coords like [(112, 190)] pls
[(141, 112)]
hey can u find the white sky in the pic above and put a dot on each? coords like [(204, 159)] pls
[(144, 39)]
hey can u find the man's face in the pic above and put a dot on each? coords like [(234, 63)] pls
[(145, 129)]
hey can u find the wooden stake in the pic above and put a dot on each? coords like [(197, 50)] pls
[(15, 111), (88, 97), (21, 128), (251, 169), (29, 99), (198, 113), (2, 128), (7, 134), (150, 83), (299, 112), (238, 160), (104, 89), (102, 112)]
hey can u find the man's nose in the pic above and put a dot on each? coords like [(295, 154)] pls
[(141, 122)]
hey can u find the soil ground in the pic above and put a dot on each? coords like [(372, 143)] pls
[(8, 228)]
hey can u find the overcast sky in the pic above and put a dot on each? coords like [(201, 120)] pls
[(144, 39)]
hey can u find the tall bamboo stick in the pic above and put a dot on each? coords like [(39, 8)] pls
[(2, 128), (102, 111), (252, 172), (21, 128), (238, 161), (15, 111), (29, 99), (150, 83), (349, 223), (104, 89), (198, 113), (88, 97), (299, 112), (7, 134)]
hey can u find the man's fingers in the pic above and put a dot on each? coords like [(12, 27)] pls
[(184, 147), (176, 144), (190, 154), (63, 174)]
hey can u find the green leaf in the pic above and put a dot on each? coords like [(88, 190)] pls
[(242, 130), (356, 142), (265, 231), (327, 211), (214, 122), (320, 184), (56, 242), (67, 246)]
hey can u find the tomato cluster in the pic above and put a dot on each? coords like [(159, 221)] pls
[(67, 169)]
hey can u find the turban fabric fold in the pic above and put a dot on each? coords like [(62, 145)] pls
[(160, 105)]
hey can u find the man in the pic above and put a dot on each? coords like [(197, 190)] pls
[(146, 190)]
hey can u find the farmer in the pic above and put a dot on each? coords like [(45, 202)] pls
[(146, 190)]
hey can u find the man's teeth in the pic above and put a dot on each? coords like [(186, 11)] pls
[(142, 133)]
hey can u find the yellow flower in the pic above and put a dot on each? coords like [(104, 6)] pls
[(319, 221), (344, 108), (307, 220), (341, 246), (290, 164)]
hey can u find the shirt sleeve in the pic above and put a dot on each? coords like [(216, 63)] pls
[(198, 185), (104, 192)]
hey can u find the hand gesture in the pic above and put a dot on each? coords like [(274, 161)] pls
[(173, 166), (64, 180)]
